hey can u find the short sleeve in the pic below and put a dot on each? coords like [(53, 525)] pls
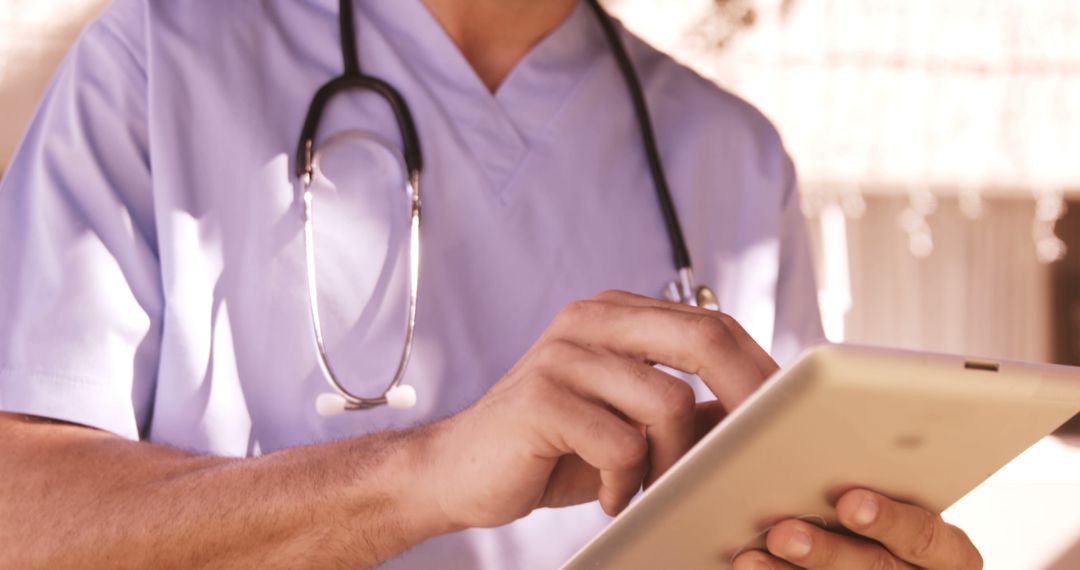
[(798, 319), (80, 292)]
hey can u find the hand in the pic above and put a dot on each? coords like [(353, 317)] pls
[(896, 536), (584, 415)]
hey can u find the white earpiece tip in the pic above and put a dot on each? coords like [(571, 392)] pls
[(329, 404), (401, 397)]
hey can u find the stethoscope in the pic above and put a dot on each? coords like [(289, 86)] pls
[(397, 395)]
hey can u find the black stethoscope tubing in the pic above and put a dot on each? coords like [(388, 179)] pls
[(680, 253), (353, 78), (397, 394)]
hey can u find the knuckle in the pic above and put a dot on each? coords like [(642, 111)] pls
[(583, 310), (728, 320), (927, 538), (630, 450), (611, 295), (541, 384), (826, 554), (677, 400), (578, 310), (713, 331), (882, 560), (558, 351), (595, 429), (972, 559), (536, 392)]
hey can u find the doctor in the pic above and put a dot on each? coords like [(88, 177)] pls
[(157, 366)]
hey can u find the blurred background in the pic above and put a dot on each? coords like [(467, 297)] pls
[(938, 146)]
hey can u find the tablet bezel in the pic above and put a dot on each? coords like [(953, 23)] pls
[(949, 407)]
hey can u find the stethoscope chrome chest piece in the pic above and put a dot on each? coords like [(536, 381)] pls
[(396, 394)]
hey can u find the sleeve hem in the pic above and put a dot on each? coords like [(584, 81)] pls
[(60, 397)]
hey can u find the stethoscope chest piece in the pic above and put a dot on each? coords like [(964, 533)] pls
[(400, 397)]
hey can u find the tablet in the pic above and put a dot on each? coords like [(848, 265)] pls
[(923, 428)]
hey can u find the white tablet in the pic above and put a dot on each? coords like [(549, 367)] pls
[(924, 428)]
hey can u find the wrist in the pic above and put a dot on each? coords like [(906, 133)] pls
[(403, 475), (421, 480)]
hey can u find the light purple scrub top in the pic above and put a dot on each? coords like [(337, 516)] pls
[(151, 256)]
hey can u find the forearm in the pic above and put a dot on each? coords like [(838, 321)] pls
[(74, 497)]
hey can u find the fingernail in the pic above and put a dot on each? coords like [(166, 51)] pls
[(797, 545), (867, 512)]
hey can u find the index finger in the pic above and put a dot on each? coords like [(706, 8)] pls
[(764, 362), (702, 343), (913, 534)]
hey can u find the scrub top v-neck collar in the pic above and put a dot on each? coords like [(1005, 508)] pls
[(498, 129)]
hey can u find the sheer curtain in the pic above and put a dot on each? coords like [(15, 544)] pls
[(981, 290)]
